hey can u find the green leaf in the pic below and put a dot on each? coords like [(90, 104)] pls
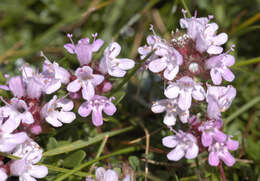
[(81, 144), (74, 159), (134, 162), (119, 152), (246, 62)]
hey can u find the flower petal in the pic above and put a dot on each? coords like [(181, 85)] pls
[(74, 86), (109, 108), (169, 141), (169, 119), (172, 91), (176, 154), (192, 152), (215, 76), (84, 109), (38, 171), (206, 139), (97, 117), (88, 91), (213, 159), (125, 63), (228, 75), (157, 65)]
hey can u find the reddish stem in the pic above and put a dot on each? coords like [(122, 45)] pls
[(221, 170)]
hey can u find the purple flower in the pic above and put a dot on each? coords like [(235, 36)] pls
[(57, 112), (85, 80), (171, 108), (219, 99), (204, 34), (9, 141), (194, 25), (169, 60), (152, 41), (115, 66), (16, 86), (29, 149), (37, 83), (26, 170), (208, 41), (210, 130), (83, 49), (218, 66), (18, 111), (53, 70), (184, 89), (96, 105), (220, 151), (183, 144)]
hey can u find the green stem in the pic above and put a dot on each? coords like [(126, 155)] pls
[(119, 152), (186, 8), (50, 167)]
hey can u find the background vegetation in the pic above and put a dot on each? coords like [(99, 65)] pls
[(29, 26)]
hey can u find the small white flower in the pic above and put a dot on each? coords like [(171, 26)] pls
[(57, 112), (115, 66)]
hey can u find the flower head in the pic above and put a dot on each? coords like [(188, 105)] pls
[(220, 151), (18, 111), (55, 71), (85, 80), (218, 66), (168, 60), (184, 144), (115, 66), (171, 108), (58, 111), (9, 141), (83, 49), (219, 99), (210, 130), (96, 105), (26, 169), (184, 89)]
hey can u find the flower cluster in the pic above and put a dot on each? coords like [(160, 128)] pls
[(28, 113), (193, 66)]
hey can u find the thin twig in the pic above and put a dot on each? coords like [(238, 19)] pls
[(147, 145)]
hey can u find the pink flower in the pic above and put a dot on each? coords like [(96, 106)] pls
[(53, 70), (58, 111), (168, 61), (184, 89), (83, 49), (194, 25), (16, 86), (218, 66), (219, 99), (115, 66), (18, 111), (9, 141), (29, 150), (210, 130), (96, 105), (85, 80), (171, 108), (184, 144), (27, 171), (37, 83), (220, 151)]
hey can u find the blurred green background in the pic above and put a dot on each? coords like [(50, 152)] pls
[(30, 26)]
